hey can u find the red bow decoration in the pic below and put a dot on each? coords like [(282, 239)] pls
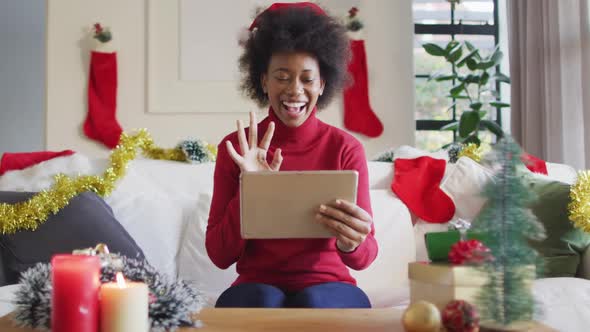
[(469, 252)]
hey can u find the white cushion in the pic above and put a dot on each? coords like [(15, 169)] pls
[(178, 179), (380, 174), (561, 172), (409, 152), (153, 201), (193, 261), (386, 280), (151, 216), (564, 303), (463, 182)]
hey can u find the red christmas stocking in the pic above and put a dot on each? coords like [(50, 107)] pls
[(417, 183), (533, 163), (358, 115), (101, 122)]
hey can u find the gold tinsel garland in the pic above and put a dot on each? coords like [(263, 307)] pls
[(579, 205), (473, 151), (28, 215)]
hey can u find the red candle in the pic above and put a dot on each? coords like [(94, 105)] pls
[(76, 285)]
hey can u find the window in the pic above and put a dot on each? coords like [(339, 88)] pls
[(438, 21)]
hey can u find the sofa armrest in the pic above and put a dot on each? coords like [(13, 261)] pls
[(584, 269)]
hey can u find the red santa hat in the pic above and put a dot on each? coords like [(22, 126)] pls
[(278, 6), (274, 7), (534, 164), (22, 160)]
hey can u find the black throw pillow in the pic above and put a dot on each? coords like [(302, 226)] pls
[(83, 223)]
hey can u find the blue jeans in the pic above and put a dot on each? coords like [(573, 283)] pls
[(327, 295)]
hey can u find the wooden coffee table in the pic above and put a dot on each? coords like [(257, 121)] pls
[(285, 320)]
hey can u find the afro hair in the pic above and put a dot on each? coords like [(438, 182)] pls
[(294, 29)]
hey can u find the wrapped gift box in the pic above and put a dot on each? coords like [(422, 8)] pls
[(440, 283), (438, 244)]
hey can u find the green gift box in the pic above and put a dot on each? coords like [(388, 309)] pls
[(438, 244)]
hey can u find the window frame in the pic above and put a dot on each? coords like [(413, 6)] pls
[(452, 29)]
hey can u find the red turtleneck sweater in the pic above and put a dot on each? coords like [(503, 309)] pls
[(290, 264)]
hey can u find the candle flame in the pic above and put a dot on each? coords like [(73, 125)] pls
[(120, 280)]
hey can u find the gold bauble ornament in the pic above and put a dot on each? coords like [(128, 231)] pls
[(422, 316)]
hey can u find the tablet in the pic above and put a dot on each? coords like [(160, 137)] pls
[(279, 205)]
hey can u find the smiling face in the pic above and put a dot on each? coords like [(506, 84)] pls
[(293, 85)]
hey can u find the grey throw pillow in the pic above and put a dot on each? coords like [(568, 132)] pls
[(83, 223)]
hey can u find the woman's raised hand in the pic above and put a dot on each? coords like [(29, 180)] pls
[(253, 155)]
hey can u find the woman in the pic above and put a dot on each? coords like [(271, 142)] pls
[(295, 62)]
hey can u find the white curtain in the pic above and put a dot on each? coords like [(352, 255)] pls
[(549, 45)]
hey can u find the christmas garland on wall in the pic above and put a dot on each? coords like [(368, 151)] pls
[(28, 215)]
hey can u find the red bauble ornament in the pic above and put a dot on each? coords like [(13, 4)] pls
[(460, 316), (469, 252)]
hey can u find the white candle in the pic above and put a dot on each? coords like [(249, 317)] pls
[(124, 306)]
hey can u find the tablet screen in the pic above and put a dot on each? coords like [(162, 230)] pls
[(275, 205)]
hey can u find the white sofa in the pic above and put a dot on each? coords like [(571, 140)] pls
[(164, 206)]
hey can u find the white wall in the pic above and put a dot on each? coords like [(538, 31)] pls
[(22, 75), (388, 33)]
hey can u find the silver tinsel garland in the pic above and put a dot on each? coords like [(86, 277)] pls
[(171, 306), (33, 298), (386, 156), (453, 150)]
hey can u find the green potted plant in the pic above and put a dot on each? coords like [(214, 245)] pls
[(471, 74)]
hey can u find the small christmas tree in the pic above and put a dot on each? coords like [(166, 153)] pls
[(508, 224)]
